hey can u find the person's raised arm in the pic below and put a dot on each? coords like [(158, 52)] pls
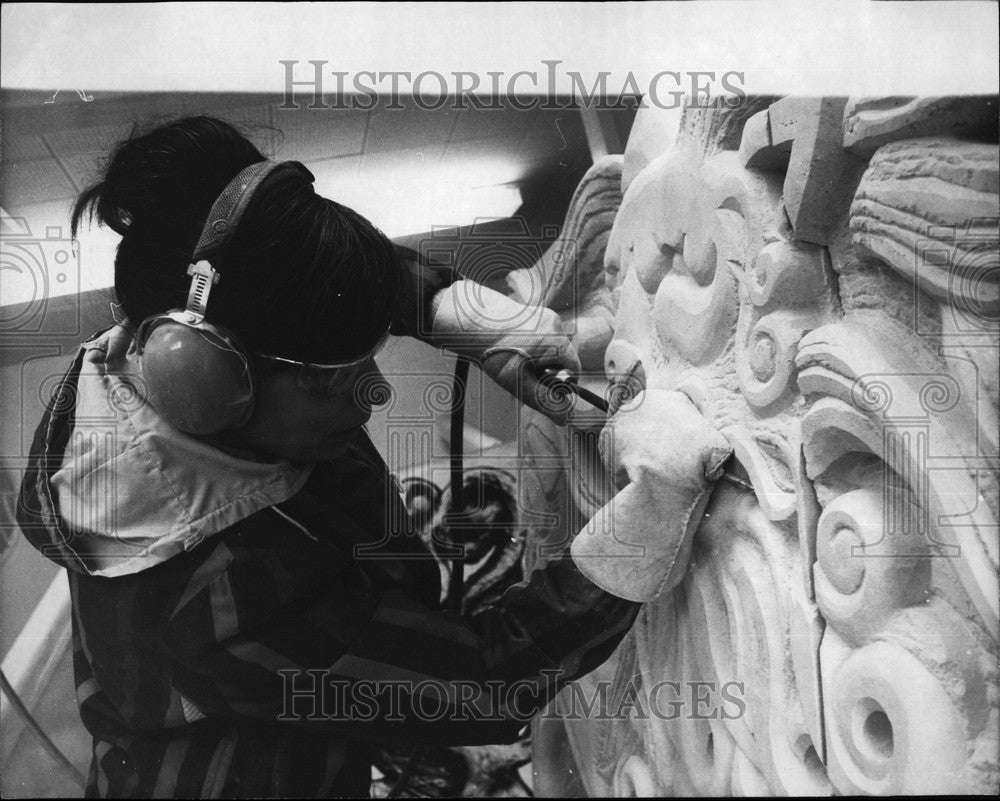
[(513, 343)]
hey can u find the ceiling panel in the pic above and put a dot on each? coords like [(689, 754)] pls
[(408, 128), (83, 170), (323, 138), (340, 166), (52, 150), (424, 157), (502, 124), (85, 141), (24, 183), (22, 147)]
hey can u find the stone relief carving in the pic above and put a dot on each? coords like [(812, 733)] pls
[(821, 276), (870, 122)]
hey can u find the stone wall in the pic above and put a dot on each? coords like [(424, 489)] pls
[(820, 275)]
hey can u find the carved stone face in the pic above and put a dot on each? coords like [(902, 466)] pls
[(827, 296)]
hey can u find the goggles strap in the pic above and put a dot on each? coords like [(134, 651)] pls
[(203, 276)]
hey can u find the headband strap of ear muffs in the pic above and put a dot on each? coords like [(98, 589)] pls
[(203, 277), (223, 219), (230, 205), (197, 375)]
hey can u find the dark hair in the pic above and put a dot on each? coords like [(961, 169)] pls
[(303, 277)]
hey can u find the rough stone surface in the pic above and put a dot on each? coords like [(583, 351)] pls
[(928, 208), (843, 583), (715, 127), (820, 175), (870, 122)]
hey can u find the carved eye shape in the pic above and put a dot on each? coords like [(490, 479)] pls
[(701, 260), (673, 258), (693, 255)]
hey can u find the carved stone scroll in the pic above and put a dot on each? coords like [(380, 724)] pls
[(834, 312), (908, 656)]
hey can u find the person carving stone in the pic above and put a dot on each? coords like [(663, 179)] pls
[(230, 583), (666, 457)]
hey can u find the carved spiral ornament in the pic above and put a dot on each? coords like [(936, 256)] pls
[(827, 296)]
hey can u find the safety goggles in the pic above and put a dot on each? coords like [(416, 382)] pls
[(326, 380)]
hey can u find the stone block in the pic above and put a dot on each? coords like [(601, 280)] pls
[(821, 176)]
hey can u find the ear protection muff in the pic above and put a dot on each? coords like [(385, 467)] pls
[(196, 374)]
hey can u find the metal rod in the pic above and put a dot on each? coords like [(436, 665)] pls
[(456, 581), (566, 381)]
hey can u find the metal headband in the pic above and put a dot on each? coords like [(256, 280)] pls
[(229, 207), (223, 219)]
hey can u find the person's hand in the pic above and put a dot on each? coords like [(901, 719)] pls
[(517, 362), (513, 343)]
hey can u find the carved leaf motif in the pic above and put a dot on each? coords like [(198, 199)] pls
[(569, 278)]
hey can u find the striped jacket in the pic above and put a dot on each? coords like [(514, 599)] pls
[(266, 661)]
